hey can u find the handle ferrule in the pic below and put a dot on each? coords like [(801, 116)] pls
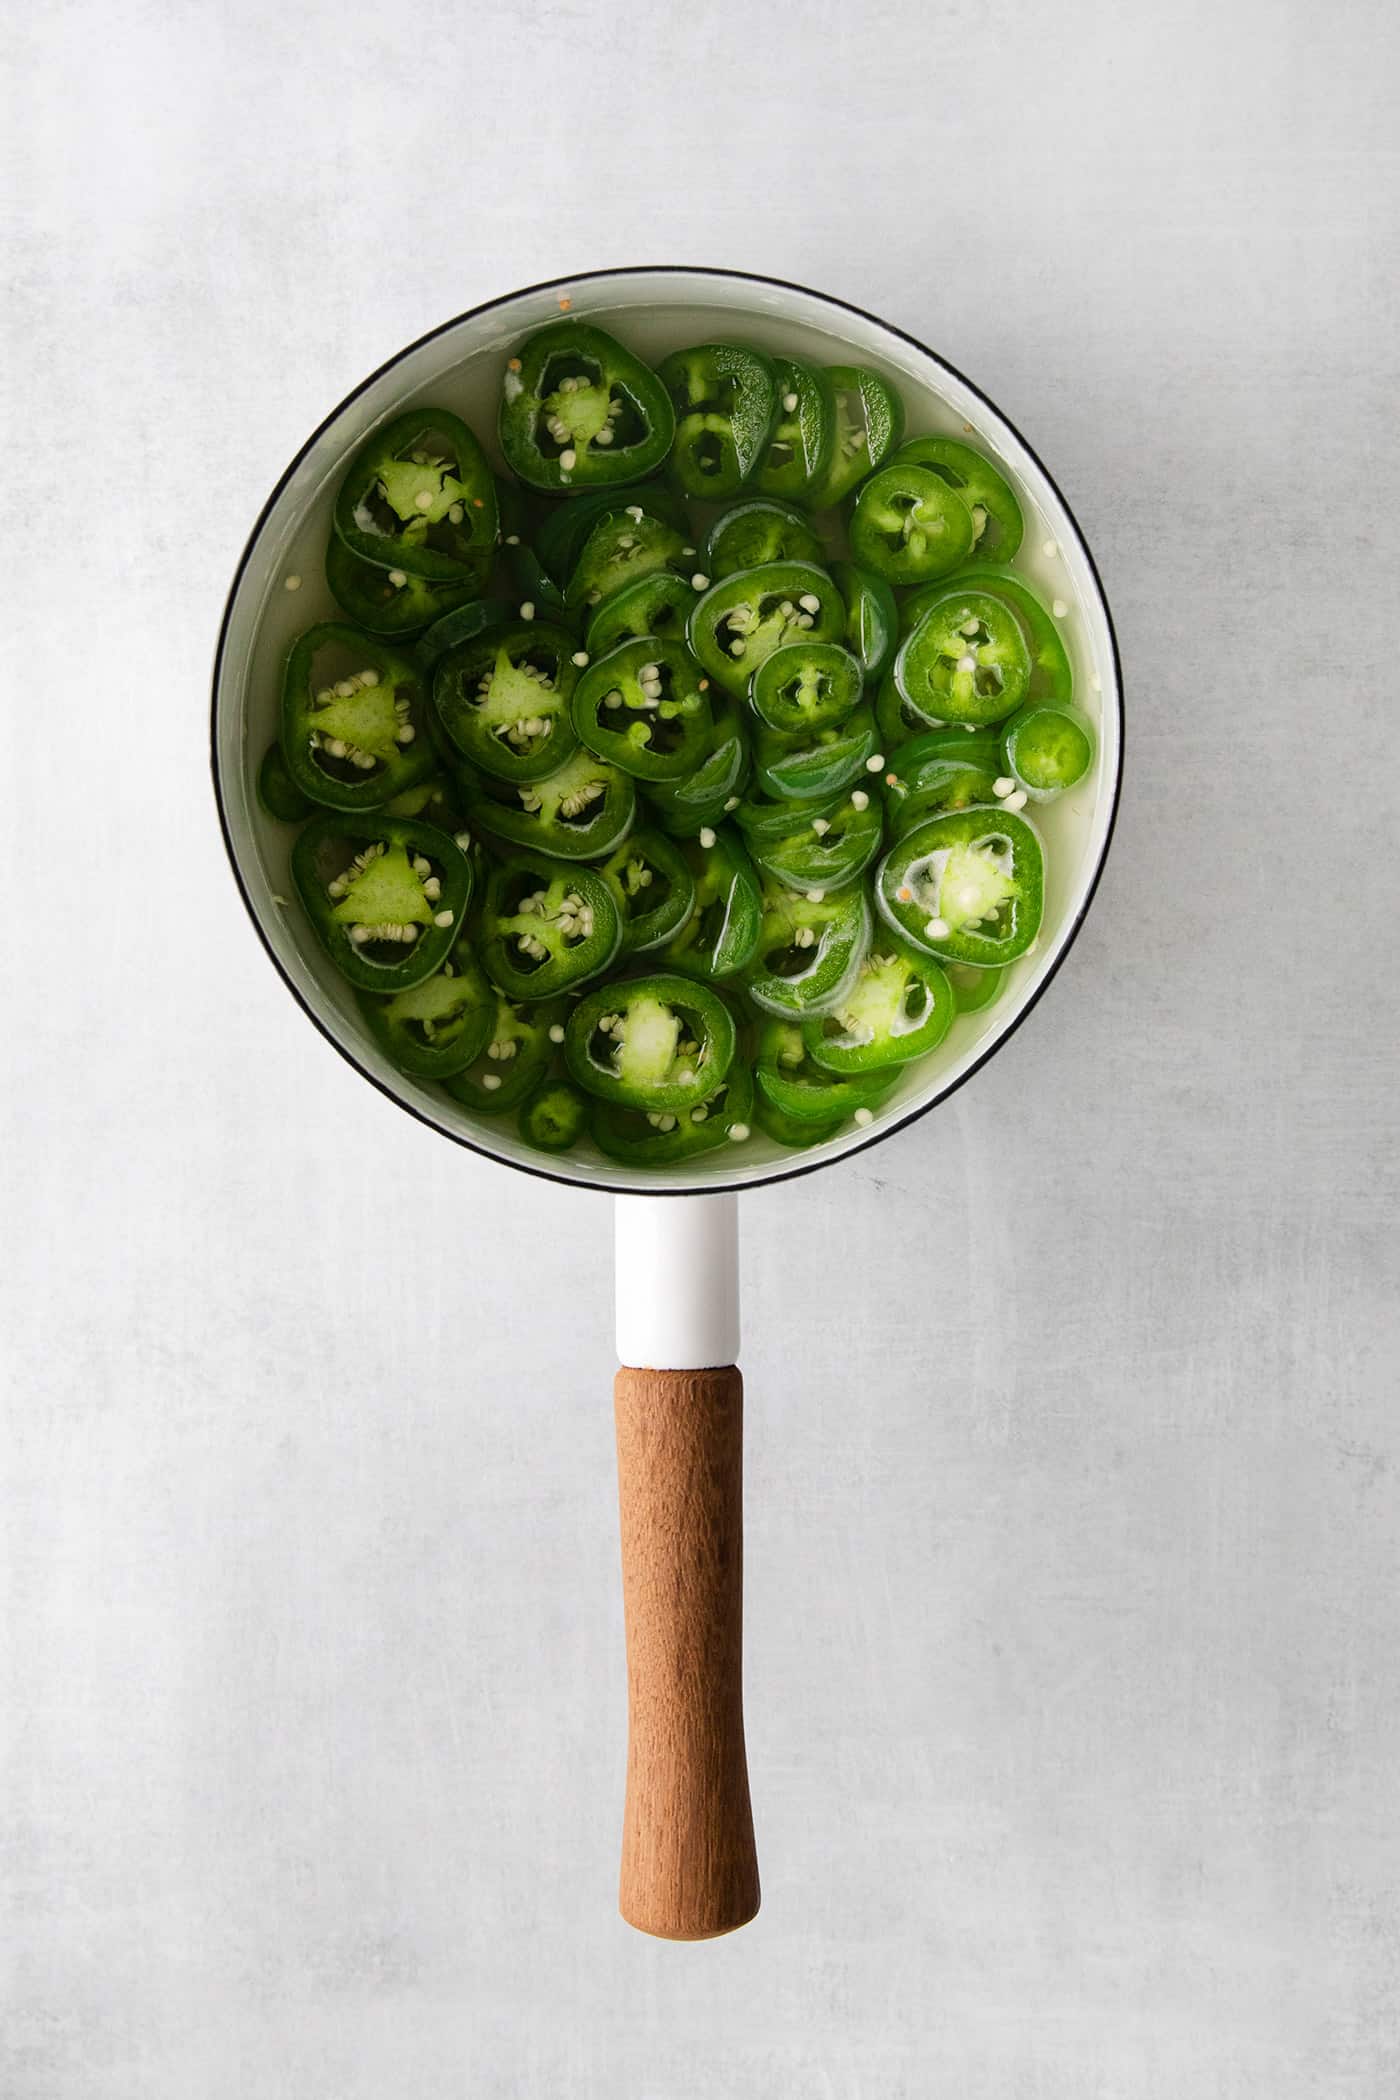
[(677, 1281)]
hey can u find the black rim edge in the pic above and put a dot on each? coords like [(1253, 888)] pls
[(875, 1134)]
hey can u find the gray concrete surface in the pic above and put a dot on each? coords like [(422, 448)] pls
[(1073, 1530)]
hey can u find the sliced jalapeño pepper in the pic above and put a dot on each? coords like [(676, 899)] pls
[(555, 1116), (805, 1091), (578, 411), (658, 1138), (463, 624), (278, 792), (438, 800), (419, 497), (872, 618), (660, 1043), (896, 720), (997, 524), (546, 925), (967, 886), (902, 722), (391, 601), (1052, 677), (720, 936), (537, 595), (437, 1027), (758, 530), (909, 526), (619, 550), (518, 510), (808, 949), (579, 812), (653, 887), (385, 896), (514, 1061), (814, 845), (742, 619), (974, 989), (657, 604), (726, 401), (803, 768), (353, 720), (804, 686), (565, 529), (797, 457), (686, 807), (503, 699), (940, 770), (791, 1130), (869, 424), (642, 708), (1047, 749), (898, 1005), (965, 660)]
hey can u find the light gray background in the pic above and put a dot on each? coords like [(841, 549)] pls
[(1073, 1533)]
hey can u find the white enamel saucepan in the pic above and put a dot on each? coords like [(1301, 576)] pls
[(689, 1869)]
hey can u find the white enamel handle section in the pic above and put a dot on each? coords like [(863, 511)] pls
[(677, 1281)]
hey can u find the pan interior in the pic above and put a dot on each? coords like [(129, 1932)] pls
[(458, 367)]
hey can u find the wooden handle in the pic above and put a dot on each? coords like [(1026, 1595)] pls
[(689, 1870)]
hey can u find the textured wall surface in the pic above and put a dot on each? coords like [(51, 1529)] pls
[(1073, 1530)]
